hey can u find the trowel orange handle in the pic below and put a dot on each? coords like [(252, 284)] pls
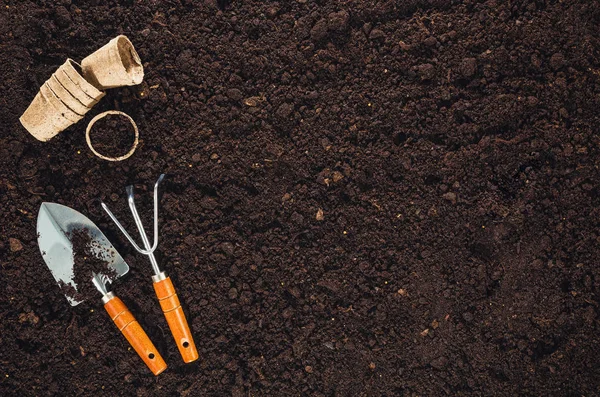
[(169, 302), (136, 336)]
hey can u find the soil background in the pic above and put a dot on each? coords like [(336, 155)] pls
[(365, 198)]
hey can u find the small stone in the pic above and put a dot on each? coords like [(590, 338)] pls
[(272, 12), (234, 94), (196, 158), (252, 101), (435, 324), (308, 369), (312, 95), (402, 292), (275, 150), (425, 332), (15, 245), (450, 196), (286, 197), (338, 21), (377, 34), (331, 284), (337, 176), (227, 248), (285, 110), (319, 30), (367, 28), (320, 216), (468, 67), (214, 156), (426, 71), (557, 61), (233, 293), (221, 339), (430, 41), (372, 366), (439, 363), (62, 17), (404, 46)]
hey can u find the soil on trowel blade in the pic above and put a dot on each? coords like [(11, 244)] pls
[(365, 197), (87, 260)]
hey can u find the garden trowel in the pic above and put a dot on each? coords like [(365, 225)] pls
[(55, 225)]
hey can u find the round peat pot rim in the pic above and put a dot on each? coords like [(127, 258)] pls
[(101, 116)]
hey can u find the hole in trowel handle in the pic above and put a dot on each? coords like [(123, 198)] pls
[(185, 343), (151, 356)]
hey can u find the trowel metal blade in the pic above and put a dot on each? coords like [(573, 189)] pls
[(55, 224)]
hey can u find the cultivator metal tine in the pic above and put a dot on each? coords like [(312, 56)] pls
[(149, 250), (100, 281)]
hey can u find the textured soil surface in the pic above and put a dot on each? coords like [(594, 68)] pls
[(365, 198)]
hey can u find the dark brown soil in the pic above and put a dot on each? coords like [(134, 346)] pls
[(112, 135), (365, 197), (87, 263)]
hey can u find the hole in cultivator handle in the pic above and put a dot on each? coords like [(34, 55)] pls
[(151, 356)]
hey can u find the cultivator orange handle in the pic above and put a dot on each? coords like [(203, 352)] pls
[(136, 336), (169, 302)]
